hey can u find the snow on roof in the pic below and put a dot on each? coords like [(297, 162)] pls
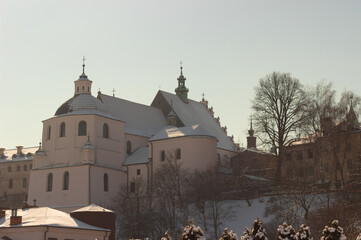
[(92, 208), (175, 132), (11, 154), (193, 113), (139, 119), (83, 104), (45, 216), (139, 156)]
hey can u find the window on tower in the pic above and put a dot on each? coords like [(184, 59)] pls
[(105, 131), (105, 181), (82, 128), (49, 184), (66, 181), (62, 129)]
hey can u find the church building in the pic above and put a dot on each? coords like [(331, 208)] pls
[(92, 145)]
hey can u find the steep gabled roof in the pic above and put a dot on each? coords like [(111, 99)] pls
[(193, 113), (139, 119)]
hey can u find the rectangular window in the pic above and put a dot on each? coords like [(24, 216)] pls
[(52, 239), (10, 183), (162, 156), (25, 182), (25, 167), (338, 184), (300, 172), (138, 171), (299, 155), (327, 167), (310, 153), (132, 187), (31, 166), (9, 169), (309, 171), (18, 168)]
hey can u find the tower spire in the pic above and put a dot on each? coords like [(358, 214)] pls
[(83, 64), (83, 84), (181, 90), (251, 139)]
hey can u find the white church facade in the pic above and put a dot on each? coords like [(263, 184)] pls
[(92, 145)]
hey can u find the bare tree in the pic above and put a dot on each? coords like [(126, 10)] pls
[(169, 194), (135, 218), (280, 109)]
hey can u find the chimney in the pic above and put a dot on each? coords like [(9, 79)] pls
[(15, 219), (2, 213), (2, 151), (19, 149)]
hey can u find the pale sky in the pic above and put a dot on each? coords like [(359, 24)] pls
[(135, 47)]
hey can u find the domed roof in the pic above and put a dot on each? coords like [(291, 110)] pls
[(82, 104)]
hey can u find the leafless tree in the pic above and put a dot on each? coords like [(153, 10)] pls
[(135, 218), (280, 109), (169, 194)]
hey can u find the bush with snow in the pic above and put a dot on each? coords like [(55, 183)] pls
[(286, 232), (257, 232), (334, 232), (304, 233), (228, 235), (166, 236), (192, 232)]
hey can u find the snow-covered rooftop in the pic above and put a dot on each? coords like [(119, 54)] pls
[(139, 119), (193, 113), (45, 216), (139, 156), (11, 154), (175, 132), (92, 208)]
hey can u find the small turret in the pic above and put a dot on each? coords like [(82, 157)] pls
[(181, 90), (251, 139), (83, 84)]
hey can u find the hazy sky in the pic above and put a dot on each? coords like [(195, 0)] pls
[(136, 46)]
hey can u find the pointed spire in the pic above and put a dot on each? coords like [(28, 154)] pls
[(181, 90), (251, 131), (83, 76)]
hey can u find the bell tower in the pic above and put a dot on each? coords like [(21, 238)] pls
[(83, 84), (181, 90)]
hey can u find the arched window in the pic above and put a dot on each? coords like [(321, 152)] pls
[(82, 88), (77, 89), (105, 131), (62, 129), (162, 156), (82, 128), (88, 89), (66, 181), (49, 132), (49, 184), (129, 147), (105, 182)]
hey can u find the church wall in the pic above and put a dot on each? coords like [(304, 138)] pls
[(76, 195), (136, 142), (133, 172), (224, 157), (98, 194), (197, 153), (109, 151)]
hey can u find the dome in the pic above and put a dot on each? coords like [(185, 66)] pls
[(82, 104)]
